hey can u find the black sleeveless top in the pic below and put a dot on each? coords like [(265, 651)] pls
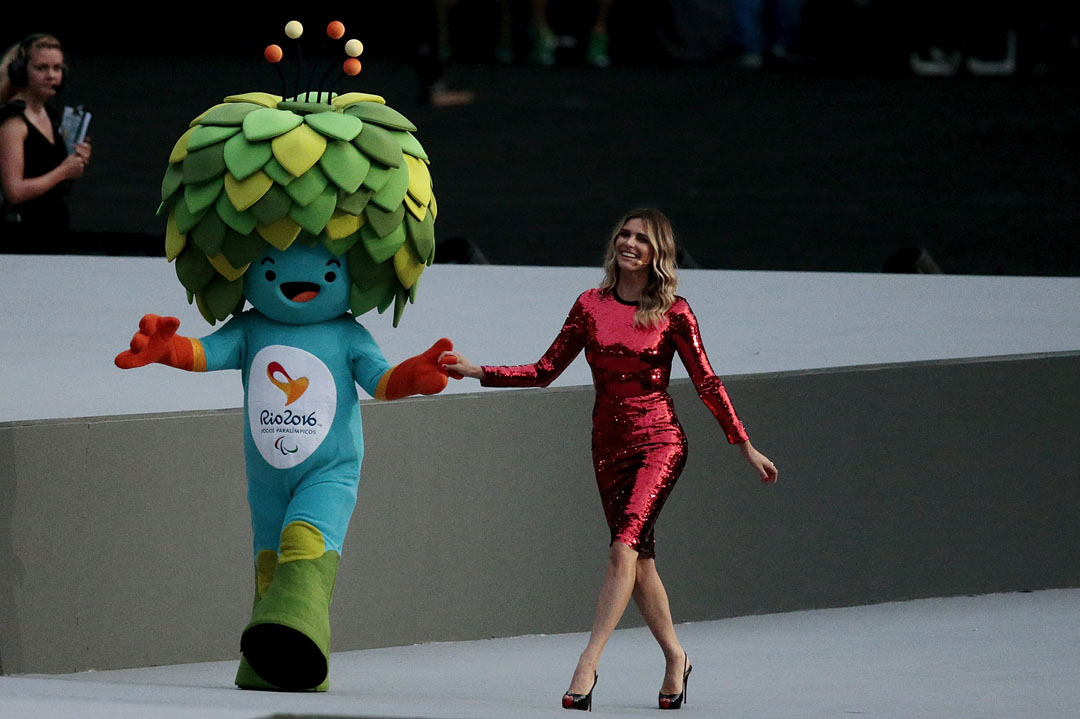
[(43, 221)]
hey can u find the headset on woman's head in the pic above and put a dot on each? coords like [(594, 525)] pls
[(18, 69)]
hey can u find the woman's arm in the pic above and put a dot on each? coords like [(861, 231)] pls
[(560, 354), (17, 188), (710, 388)]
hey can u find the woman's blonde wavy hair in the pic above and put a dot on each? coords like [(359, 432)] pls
[(659, 293)]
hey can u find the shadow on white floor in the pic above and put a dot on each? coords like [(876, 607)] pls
[(1002, 655)]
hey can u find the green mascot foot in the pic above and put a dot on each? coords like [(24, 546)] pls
[(287, 643)]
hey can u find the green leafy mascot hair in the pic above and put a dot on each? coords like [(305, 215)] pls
[(344, 170)]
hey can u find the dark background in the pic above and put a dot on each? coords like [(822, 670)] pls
[(831, 162)]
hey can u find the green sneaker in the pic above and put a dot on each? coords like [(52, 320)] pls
[(597, 52), (543, 46)]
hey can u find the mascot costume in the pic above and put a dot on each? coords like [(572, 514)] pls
[(314, 209)]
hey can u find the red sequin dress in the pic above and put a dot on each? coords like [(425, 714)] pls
[(638, 446)]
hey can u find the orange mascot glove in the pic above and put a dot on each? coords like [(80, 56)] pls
[(417, 375), (157, 341)]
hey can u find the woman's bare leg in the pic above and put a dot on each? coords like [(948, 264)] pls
[(614, 596), (652, 600)]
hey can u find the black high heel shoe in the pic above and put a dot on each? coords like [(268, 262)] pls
[(675, 701), (582, 702)]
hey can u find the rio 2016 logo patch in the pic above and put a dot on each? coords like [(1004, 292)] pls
[(291, 404)]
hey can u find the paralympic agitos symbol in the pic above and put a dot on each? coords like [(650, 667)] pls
[(279, 445)]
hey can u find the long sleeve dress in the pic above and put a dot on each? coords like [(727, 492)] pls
[(638, 445)]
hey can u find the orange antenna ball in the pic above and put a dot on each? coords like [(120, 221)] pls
[(335, 30), (351, 67), (273, 54)]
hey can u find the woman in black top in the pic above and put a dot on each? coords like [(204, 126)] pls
[(35, 168)]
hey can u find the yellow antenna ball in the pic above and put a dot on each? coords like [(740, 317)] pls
[(335, 30), (353, 48), (294, 29), (351, 67)]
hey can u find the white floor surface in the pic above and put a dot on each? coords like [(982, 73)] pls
[(1005, 655)]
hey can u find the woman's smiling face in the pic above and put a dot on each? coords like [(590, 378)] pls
[(633, 251)]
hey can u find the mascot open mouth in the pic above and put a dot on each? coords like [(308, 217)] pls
[(300, 291)]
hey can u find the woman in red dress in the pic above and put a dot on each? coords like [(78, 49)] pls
[(630, 328)]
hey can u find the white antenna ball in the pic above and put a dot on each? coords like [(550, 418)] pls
[(294, 29), (353, 48)]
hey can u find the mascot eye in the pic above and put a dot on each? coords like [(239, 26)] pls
[(330, 277), (270, 276)]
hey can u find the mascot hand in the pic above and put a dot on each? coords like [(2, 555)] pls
[(157, 341), (418, 375)]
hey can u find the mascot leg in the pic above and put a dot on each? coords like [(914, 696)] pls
[(265, 564), (287, 643)]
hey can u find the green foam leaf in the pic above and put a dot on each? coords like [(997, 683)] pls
[(199, 197), (193, 269), (207, 135), (308, 186), (201, 165), (272, 206), (380, 115), (266, 123), (221, 296), (393, 192), (377, 177), (230, 114), (422, 235), (344, 165), (244, 158), (185, 219), (382, 249), (341, 246), (314, 216), (242, 222), (241, 250), (335, 125), (373, 284), (278, 173), (401, 298), (410, 144), (354, 203), (383, 222), (170, 183), (209, 234), (379, 144)]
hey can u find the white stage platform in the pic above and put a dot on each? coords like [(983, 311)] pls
[(996, 656), (64, 318)]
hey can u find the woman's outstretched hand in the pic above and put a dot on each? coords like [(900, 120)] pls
[(455, 365), (766, 470)]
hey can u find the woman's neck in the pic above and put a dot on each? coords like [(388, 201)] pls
[(33, 103), (630, 285)]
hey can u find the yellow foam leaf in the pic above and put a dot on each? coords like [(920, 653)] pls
[(259, 98), (174, 239), (179, 151), (225, 269), (343, 224), (419, 180), (245, 193), (351, 98), (280, 234), (298, 149), (407, 265)]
